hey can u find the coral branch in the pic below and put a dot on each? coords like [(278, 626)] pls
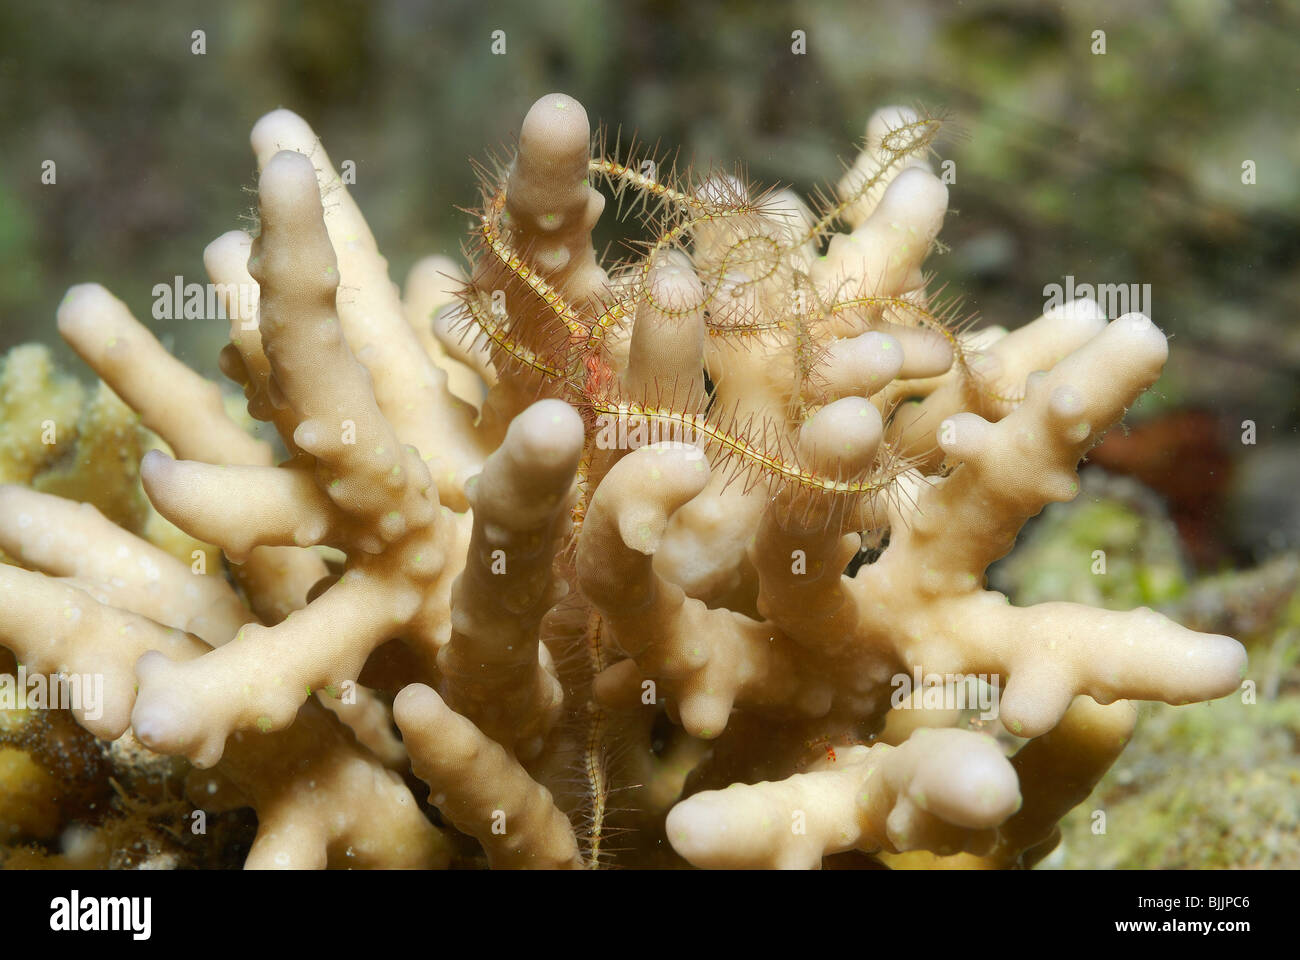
[(481, 789), (942, 790), (706, 659), (409, 387), (521, 502), (188, 413), (395, 582), (317, 793)]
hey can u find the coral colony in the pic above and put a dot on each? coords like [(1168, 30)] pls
[(636, 555)]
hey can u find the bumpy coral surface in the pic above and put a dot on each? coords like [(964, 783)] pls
[(628, 551)]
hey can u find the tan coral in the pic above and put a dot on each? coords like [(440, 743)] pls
[(494, 667), (353, 485), (707, 568), (410, 389), (481, 789), (318, 794), (942, 790)]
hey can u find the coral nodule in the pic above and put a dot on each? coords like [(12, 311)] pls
[(625, 550)]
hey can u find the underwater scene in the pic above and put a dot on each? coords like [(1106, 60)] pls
[(649, 436)]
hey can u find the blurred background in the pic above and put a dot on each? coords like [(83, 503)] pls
[(1122, 167)]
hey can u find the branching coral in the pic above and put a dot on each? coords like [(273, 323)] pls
[(601, 527)]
